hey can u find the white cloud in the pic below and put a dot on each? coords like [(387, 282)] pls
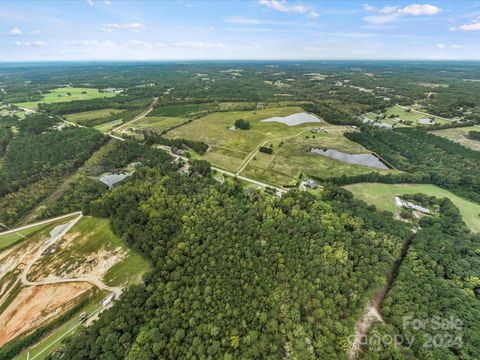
[(282, 6), (456, 46), (35, 33), (240, 20), (89, 2), (417, 9), (93, 43), (473, 26), (15, 32), (133, 27), (440, 46), (388, 9), (107, 2), (389, 14), (30, 43), (199, 45), (381, 19), (369, 8), (313, 14), (137, 44)]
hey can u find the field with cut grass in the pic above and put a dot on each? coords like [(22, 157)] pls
[(230, 148), (107, 126), (158, 123), (460, 135), (411, 115), (66, 94), (293, 158), (383, 197), (91, 115), (233, 149)]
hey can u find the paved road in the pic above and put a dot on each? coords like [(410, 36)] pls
[(38, 223)]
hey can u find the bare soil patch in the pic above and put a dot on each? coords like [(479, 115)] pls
[(37, 305)]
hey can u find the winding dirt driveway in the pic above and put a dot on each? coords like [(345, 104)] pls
[(55, 237)]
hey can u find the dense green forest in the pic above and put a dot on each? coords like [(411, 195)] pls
[(433, 307), (239, 272), (257, 278), (38, 159)]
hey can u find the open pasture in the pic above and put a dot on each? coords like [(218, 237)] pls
[(91, 115), (63, 94), (235, 149), (412, 115), (291, 157), (158, 123), (383, 197), (460, 135)]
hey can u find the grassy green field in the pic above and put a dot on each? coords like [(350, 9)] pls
[(412, 115), (13, 238), (91, 115), (61, 95), (106, 127), (160, 123), (231, 149), (460, 135), (291, 159), (383, 197)]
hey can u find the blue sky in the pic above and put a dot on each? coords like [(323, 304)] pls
[(242, 29)]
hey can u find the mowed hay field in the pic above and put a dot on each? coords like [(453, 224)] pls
[(158, 123), (230, 148), (62, 95), (91, 115), (293, 158), (460, 135), (411, 115), (383, 197)]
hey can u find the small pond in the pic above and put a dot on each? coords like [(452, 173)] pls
[(358, 159), (294, 119), (112, 179)]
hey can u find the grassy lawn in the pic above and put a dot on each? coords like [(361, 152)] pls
[(91, 115), (61, 95), (160, 123), (460, 135), (383, 197)]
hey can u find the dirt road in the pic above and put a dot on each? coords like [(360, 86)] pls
[(121, 128), (56, 235)]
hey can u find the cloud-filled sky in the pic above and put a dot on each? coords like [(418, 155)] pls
[(241, 29)]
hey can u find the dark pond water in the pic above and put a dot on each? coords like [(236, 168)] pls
[(358, 159)]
